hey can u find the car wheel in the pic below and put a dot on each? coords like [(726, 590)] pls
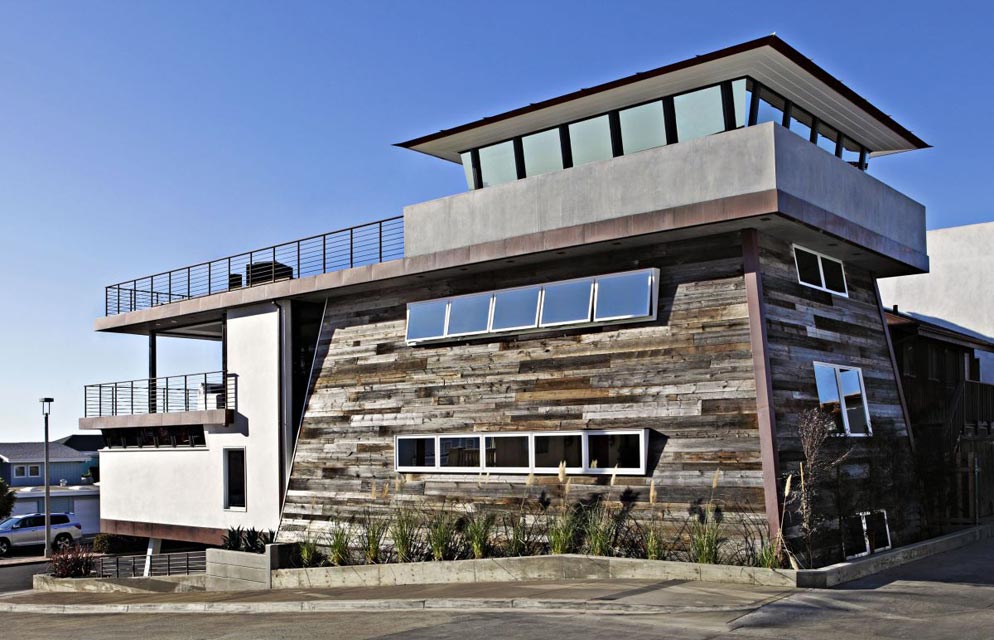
[(4, 546), (63, 541)]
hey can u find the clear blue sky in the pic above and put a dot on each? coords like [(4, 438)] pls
[(137, 137)]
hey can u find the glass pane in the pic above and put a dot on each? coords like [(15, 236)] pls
[(770, 108), (741, 101), (506, 452), (516, 309), (469, 314), (543, 152), (567, 302), (236, 478), (642, 127), (853, 541), (852, 391), (550, 451), (699, 114), (828, 393), (467, 166), (834, 278), (607, 451), (426, 320), (624, 296), (460, 452), (416, 452), (876, 530), (19, 472), (807, 267), (497, 164), (590, 140), (800, 123)]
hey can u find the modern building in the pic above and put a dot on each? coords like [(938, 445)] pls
[(71, 489), (647, 281)]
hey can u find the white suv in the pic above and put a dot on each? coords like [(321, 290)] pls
[(26, 530)]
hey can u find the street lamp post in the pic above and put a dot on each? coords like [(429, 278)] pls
[(46, 408)]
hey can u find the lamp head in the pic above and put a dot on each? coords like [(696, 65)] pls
[(46, 405)]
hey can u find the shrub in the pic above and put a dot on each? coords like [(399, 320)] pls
[(252, 541), (373, 531), (563, 531), (233, 540), (705, 529), (111, 543), (653, 541), (442, 536), (406, 533), (339, 546), (74, 562), (519, 536), (599, 528), (478, 531), (310, 554)]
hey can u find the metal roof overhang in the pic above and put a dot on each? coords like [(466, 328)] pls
[(769, 60)]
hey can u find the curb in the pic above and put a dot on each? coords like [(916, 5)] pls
[(22, 563), (329, 606)]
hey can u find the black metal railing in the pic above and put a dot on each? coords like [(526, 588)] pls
[(162, 564), (343, 249), (191, 392)]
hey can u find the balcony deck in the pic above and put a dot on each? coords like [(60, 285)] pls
[(366, 244)]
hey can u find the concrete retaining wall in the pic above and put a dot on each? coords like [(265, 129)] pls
[(160, 584), (239, 571), (565, 567)]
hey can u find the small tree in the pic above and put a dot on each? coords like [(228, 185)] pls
[(816, 428), (6, 499)]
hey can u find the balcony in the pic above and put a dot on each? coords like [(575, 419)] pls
[(343, 249), (191, 399)]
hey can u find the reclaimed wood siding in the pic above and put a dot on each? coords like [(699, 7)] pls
[(805, 325), (687, 377)]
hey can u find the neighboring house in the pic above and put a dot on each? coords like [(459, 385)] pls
[(22, 466), (89, 444), (647, 281)]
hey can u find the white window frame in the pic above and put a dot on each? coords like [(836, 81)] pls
[(862, 515), (23, 468), (224, 467), (821, 271), (842, 399), (481, 436), (36, 474), (538, 324)]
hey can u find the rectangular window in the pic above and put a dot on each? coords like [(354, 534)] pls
[(34, 471), (841, 393), (620, 297), (234, 478), (590, 140), (507, 452), (740, 100), (515, 309), (20, 471), (699, 113), (543, 152), (566, 303), (642, 127), (620, 452), (497, 164), (415, 452), (467, 166), (865, 533), (820, 271)]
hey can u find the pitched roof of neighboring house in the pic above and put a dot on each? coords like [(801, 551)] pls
[(83, 441), (35, 452)]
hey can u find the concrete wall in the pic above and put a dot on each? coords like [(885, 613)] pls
[(186, 486), (958, 289), (753, 160)]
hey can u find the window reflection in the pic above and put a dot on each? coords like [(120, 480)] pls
[(699, 113), (566, 302), (551, 451), (642, 127), (507, 452), (590, 140), (497, 164), (416, 452), (515, 309), (608, 451), (460, 452), (623, 296), (426, 319), (468, 314), (543, 152)]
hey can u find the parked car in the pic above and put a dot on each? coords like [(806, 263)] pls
[(26, 530)]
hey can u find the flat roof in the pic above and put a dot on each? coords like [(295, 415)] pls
[(769, 60)]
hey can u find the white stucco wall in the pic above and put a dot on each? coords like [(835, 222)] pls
[(959, 288), (186, 486)]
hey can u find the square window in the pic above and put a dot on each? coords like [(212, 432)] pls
[(623, 296), (699, 113), (642, 127), (426, 319), (416, 452), (34, 471), (468, 314), (543, 152), (20, 472), (590, 140), (507, 452), (566, 302), (460, 452), (819, 271), (515, 309), (551, 451), (835, 279)]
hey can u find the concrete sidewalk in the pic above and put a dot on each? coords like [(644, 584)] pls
[(607, 596)]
